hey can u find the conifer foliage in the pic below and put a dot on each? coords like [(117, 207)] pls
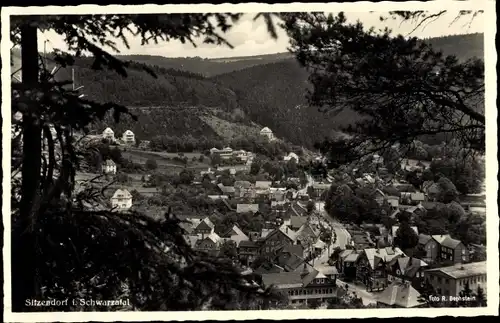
[(60, 249), (401, 88)]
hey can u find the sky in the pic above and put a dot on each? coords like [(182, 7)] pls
[(251, 38)]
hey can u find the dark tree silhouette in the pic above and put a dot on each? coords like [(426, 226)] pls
[(400, 88), (60, 248)]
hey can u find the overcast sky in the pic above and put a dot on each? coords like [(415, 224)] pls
[(251, 37)]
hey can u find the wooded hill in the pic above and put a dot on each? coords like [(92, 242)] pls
[(246, 93)]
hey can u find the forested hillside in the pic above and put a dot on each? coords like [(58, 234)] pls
[(268, 90)]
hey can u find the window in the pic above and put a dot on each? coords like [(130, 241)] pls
[(463, 251), (447, 281)]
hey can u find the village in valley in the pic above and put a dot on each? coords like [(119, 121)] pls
[(369, 235)]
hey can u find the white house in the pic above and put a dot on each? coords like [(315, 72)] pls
[(266, 132), (290, 156), (128, 137), (108, 134), (121, 200), (109, 167)]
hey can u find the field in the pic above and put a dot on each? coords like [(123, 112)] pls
[(166, 160)]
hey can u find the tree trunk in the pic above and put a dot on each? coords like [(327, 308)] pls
[(24, 242)]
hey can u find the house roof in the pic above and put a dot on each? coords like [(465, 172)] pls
[(327, 270), (297, 221), (122, 193), (319, 244), (236, 235), (226, 189), (462, 270), (214, 237), (292, 235), (248, 244), (351, 257), (447, 241), (109, 162), (191, 239), (205, 224), (265, 129), (409, 265), (423, 238), (128, 132), (263, 184), (108, 130), (289, 261), (242, 184), (243, 208), (306, 230), (385, 254), (295, 249), (417, 196), (400, 294)]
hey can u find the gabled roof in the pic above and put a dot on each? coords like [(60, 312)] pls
[(108, 130), (417, 196), (236, 235), (109, 162), (307, 231), (122, 193), (205, 224), (385, 254), (265, 129), (292, 235), (128, 132), (289, 279), (226, 189), (400, 294), (446, 241), (297, 221)]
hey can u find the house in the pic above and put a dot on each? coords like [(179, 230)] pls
[(430, 246), (108, 134), (210, 244), (128, 137), (361, 239), (218, 197), (276, 239), (246, 208), (225, 153), (307, 236), (108, 167), (235, 234), (121, 200), (244, 189), (267, 133), (450, 281), (394, 231), (248, 251), (303, 286), (410, 198), (407, 269), (291, 156), (346, 264), (415, 211), (431, 189), (204, 228), (393, 202), (451, 250), (371, 266), (290, 257), (401, 294)]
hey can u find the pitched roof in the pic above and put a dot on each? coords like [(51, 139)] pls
[(236, 235), (109, 162), (327, 270), (352, 257), (423, 239), (386, 254), (108, 130), (265, 129), (462, 270), (400, 294), (417, 196), (297, 221), (446, 241), (409, 265), (226, 189), (292, 235), (205, 224), (122, 193), (243, 208), (191, 239), (306, 230)]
